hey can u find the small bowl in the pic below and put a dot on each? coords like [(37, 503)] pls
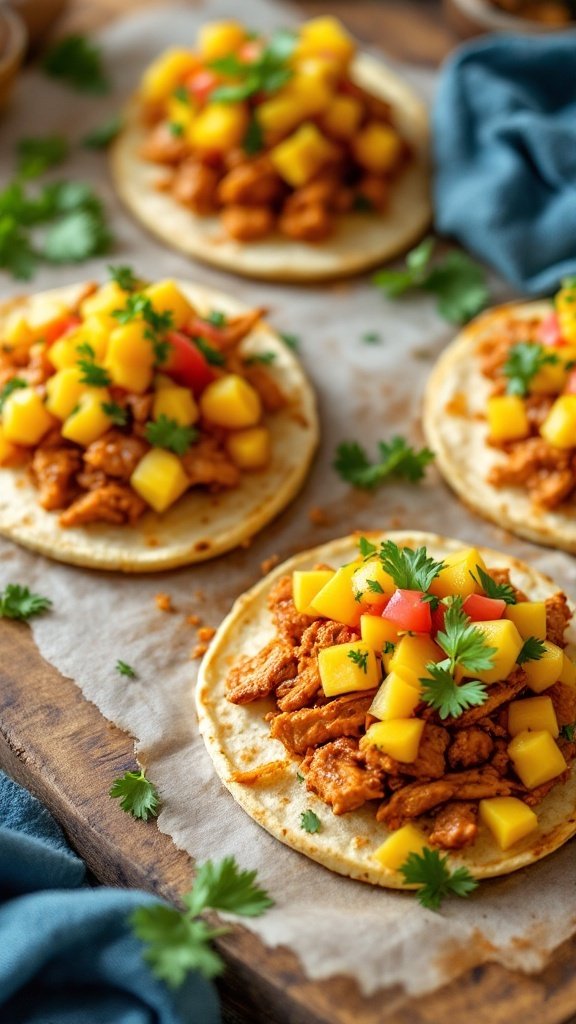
[(13, 42), (472, 17), (39, 16)]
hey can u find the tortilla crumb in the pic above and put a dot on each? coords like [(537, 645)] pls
[(268, 564), (262, 774), (164, 602), (193, 620), (199, 595), (205, 633), (458, 405), (318, 516), (198, 651)]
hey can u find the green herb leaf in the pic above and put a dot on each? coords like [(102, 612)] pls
[(524, 361), (532, 650), (395, 282), (217, 318), (366, 548), (498, 591), (299, 777), (104, 133), (371, 338), (76, 237), (224, 886), (92, 374), (176, 128), (117, 413), (432, 874), (14, 384), (267, 74), (463, 642), (447, 697), (398, 460), (253, 141), (292, 341), (124, 277), (77, 62), (262, 358), (138, 796), (410, 570), (567, 732), (17, 254), (125, 670), (40, 154), (388, 647), (167, 433), (212, 355), (20, 603), (359, 658), (139, 307), (310, 822), (374, 587)]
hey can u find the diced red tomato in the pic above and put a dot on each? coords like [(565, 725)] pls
[(378, 607), (438, 618), (59, 328), (186, 364), (548, 332), (251, 50), (199, 328), (202, 83), (481, 609), (407, 610), (570, 385)]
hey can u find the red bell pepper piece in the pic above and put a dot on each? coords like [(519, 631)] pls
[(482, 609), (186, 364), (548, 332), (407, 610)]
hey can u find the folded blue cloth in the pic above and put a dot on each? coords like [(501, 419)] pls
[(67, 955), (505, 151)]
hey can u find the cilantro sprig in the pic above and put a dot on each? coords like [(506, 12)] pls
[(310, 822), (17, 602), (409, 569), (90, 372), (450, 699), (498, 591), (211, 354), (463, 642), (117, 413), (14, 384), (532, 650), (180, 941), (431, 872), (268, 73), (139, 307), (524, 361), (124, 277), (359, 658), (137, 795), (36, 155), (124, 669), (397, 460), (77, 62), (167, 433)]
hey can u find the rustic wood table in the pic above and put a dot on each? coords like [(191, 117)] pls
[(62, 748)]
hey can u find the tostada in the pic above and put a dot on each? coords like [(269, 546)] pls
[(145, 426), (500, 413), (410, 694), (284, 158)]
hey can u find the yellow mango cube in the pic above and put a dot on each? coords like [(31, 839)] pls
[(503, 635), (457, 576), (312, 91), (346, 668), (566, 311), (399, 738), (377, 147), (529, 617), (219, 127), (412, 654), (399, 845), (280, 114), (249, 449), (133, 378), (299, 157), (325, 35), (159, 478), (550, 379), (559, 427), (219, 38), (508, 819), (106, 300), (532, 714), (536, 758), (96, 332), (342, 117), (377, 632), (25, 419), (177, 404), (130, 345), (167, 297), (507, 418), (166, 73), (231, 402), (64, 352), (543, 673), (16, 332), (396, 698), (180, 112), (63, 391), (7, 449), (89, 421), (371, 583), (305, 586), (336, 599), (568, 673)]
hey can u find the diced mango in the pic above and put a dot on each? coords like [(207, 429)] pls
[(45, 315), (507, 418), (63, 391), (16, 332), (398, 846), (399, 737), (568, 673), (377, 632), (305, 586), (559, 427), (371, 583), (180, 111), (130, 344), (64, 352), (456, 576), (566, 310), (529, 617), (377, 147), (167, 297), (159, 478), (162, 380), (89, 421), (25, 419), (325, 35), (543, 673), (503, 635), (396, 698), (550, 379), (532, 714), (536, 758), (165, 73), (336, 599), (342, 117), (133, 378), (508, 819), (219, 127), (231, 402), (177, 404), (412, 654), (96, 331), (106, 300), (346, 668), (299, 157), (312, 92), (249, 449), (279, 115), (219, 38)]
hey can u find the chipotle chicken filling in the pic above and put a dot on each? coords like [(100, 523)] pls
[(270, 134), (428, 690), (129, 399)]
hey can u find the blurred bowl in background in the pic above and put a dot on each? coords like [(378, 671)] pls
[(38, 15), (472, 17), (13, 42)]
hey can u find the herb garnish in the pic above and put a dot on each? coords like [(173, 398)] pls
[(398, 460), (77, 62), (125, 670), (310, 822), (212, 355), (139, 307), (217, 318), (14, 384), (17, 602), (268, 73), (92, 374), (532, 650), (117, 413), (524, 361), (498, 591), (389, 647), (138, 796), (447, 697), (431, 872), (167, 433), (104, 133), (463, 642), (40, 154), (253, 141), (410, 570), (124, 277), (371, 338), (262, 358), (567, 732), (359, 658), (366, 548), (292, 341), (176, 128)]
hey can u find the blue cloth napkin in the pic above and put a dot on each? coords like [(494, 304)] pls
[(67, 955), (505, 150)]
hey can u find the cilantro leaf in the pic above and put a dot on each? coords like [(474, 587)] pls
[(167, 433), (524, 361), (17, 255), (125, 670), (104, 133), (532, 650), (211, 354), (310, 822), (499, 591), (217, 318), (359, 658), (395, 282), (388, 647), (268, 73), (447, 697), (124, 277), (463, 642), (398, 460), (262, 358), (567, 732), (224, 886), (253, 141), (17, 602), (366, 548), (11, 385), (75, 237), (431, 873), (138, 796), (40, 154), (292, 341), (139, 306), (117, 413), (77, 62), (371, 338), (410, 570), (92, 374)]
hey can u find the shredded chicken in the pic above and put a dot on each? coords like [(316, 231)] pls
[(455, 825), (430, 763), (114, 503), (558, 616), (419, 797), (207, 463), (289, 623), (255, 678), (54, 470), (470, 747), (115, 454), (310, 727), (338, 776)]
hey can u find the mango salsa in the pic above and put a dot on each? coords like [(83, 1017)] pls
[(88, 421), (165, 73), (396, 698), (529, 617), (7, 449), (536, 758), (346, 668), (543, 673), (377, 632), (24, 417), (412, 654), (342, 117), (299, 157), (399, 738), (219, 127), (372, 583), (532, 714), (566, 311), (177, 404), (231, 402), (336, 601), (219, 38), (399, 845), (305, 586), (63, 391), (250, 448), (507, 418), (457, 576), (377, 147), (508, 819), (167, 297), (160, 479), (559, 427), (325, 35), (503, 635)]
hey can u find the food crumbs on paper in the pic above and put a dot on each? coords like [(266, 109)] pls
[(193, 620), (268, 564), (318, 516), (198, 651), (205, 634), (199, 596), (164, 602)]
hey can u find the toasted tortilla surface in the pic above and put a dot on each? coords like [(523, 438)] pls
[(359, 240), (454, 418), (200, 525), (237, 738)]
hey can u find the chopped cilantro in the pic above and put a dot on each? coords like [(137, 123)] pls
[(117, 413), (359, 658), (262, 358), (125, 670), (532, 650), (292, 341), (40, 154), (104, 133), (498, 591), (17, 602), (524, 361), (77, 62), (448, 698), (167, 433), (211, 354), (397, 460), (267, 74), (11, 385), (310, 822), (138, 796), (410, 570), (430, 871)]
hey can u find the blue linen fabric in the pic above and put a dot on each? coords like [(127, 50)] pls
[(504, 126), (67, 955)]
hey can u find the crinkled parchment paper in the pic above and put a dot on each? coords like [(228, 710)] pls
[(366, 392)]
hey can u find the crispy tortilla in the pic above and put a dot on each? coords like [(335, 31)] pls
[(454, 418), (200, 525), (359, 240), (237, 739)]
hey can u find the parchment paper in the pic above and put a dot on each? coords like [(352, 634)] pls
[(366, 392)]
